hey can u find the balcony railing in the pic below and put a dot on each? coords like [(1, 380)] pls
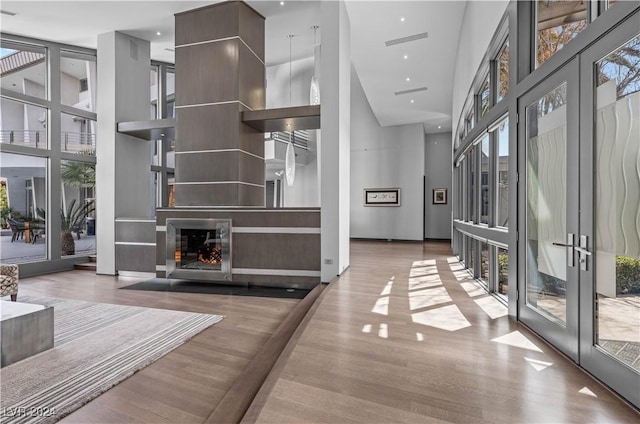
[(28, 138), (69, 141)]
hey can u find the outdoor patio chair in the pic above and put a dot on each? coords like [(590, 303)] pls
[(17, 229)]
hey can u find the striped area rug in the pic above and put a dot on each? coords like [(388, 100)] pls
[(96, 346)]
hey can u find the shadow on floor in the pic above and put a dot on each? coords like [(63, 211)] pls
[(185, 286)]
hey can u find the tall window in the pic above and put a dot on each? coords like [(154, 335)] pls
[(30, 150)]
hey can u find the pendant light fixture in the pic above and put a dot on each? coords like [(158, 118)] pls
[(314, 90), (290, 157)]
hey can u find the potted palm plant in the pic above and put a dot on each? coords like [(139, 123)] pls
[(72, 221)]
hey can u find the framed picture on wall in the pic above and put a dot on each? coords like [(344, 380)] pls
[(439, 196), (382, 197)]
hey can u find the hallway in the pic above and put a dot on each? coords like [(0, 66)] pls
[(406, 335)]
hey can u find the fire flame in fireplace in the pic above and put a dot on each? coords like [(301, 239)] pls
[(210, 255)]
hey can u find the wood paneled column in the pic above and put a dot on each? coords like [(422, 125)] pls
[(220, 72)]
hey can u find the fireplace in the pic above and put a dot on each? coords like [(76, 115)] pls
[(199, 249)]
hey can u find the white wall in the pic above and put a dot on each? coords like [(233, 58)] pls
[(481, 19), (384, 157), (437, 162), (278, 83), (305, 190)]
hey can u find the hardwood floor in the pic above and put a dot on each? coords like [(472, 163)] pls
[(185, 385), (405, 335)]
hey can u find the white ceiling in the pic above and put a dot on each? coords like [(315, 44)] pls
[(382, 70)]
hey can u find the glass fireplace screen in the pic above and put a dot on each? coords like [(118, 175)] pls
[(199, 249)]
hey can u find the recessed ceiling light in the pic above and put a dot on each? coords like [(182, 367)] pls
[(158, 33), (411, 101), (439, 126), (406, 57), (402, 19), (281, 3), (408, 79)]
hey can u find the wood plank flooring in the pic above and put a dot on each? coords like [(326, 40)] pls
[(405, 335), (185, 385)]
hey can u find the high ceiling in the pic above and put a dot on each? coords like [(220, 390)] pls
[(382, 70)]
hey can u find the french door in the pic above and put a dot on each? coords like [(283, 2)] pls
[(549, 145), (610, 209), (579, 240)]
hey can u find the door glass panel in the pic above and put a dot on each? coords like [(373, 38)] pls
[(546, 131), (617, 216)]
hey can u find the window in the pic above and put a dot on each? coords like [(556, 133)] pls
[(557, 23), (502, 86), (472, 184), (24, 69), (78, 80), (470, 121), (24, 203), (503, 272), (502, 203), (484, 97), (485, 158), (78, 134), (484, 262), (23, 124), (78, 206)]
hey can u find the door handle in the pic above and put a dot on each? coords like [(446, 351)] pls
[(562, 244), (584, 252)]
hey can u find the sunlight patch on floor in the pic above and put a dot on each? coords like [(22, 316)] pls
[(366, 328), (492, 307), (387, 289), (423, 270), (424, 282), (517, 339), (537, 364), (445, 318), (420, 337), (424, 262), (382, 306), (462, 275), (383, 331), (585, 391), (473, 289), (428, 297), (456, 267)]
